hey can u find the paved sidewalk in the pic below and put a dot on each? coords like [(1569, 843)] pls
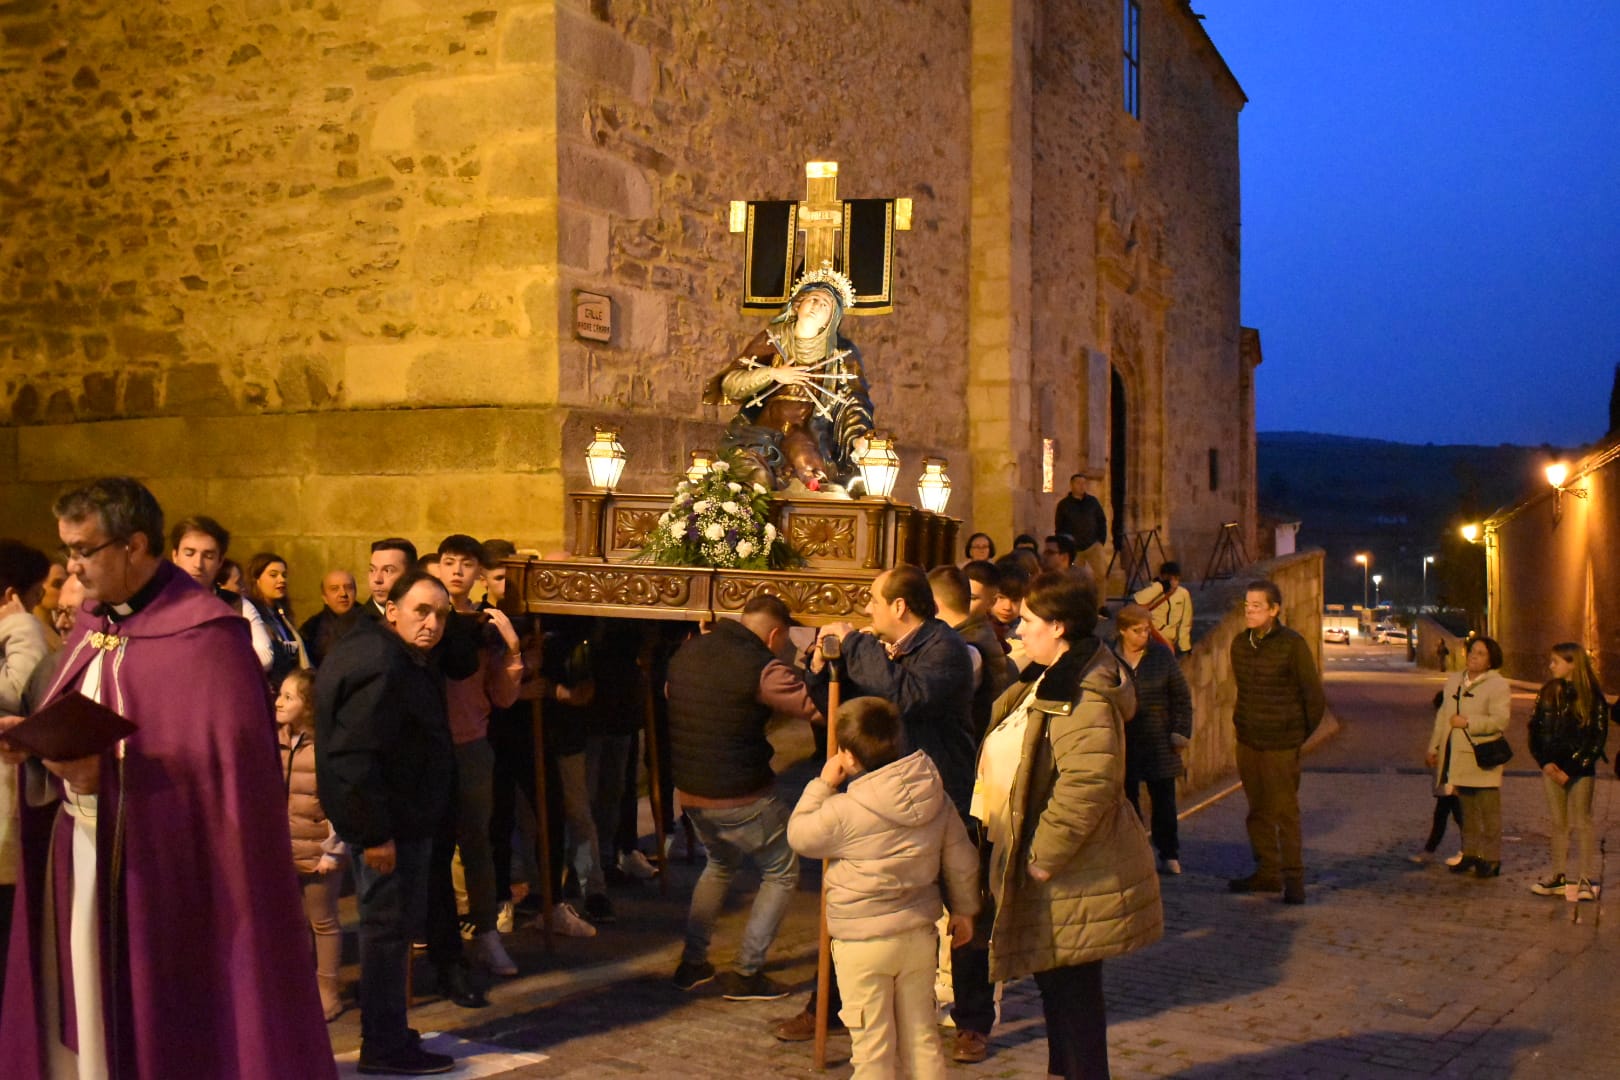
[(1390, 969)]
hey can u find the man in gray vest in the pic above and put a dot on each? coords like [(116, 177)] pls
[(723, 687)]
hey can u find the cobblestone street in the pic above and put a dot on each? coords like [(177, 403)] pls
[(1391, 969)]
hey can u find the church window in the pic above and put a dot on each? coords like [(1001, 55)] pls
[(1133, 58)]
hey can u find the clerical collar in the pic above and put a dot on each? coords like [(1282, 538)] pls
[(143, 596)]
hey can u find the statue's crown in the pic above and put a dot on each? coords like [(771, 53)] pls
[(825, 274)]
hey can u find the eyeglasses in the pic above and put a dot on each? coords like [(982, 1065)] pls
[(70, 553)]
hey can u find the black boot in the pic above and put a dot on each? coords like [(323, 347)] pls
[(1487, 869), (1254, 883), (456, 984), (1466, 866)]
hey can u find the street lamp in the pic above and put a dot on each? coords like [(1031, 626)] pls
[(1557, 473), (1427, 560), (1470, 532), (1363, 558), (1377, 579)]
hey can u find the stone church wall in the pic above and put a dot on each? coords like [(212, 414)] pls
[(308, 265), (1136, 267)]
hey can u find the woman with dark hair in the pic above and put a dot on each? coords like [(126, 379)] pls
[(1474, 711), (23, 647), (1160, 730), (979, 546), (1567, 731), (270, 616), (1071, 870)]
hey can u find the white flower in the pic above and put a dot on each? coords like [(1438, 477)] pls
[(759, 489), (663, 519), (719, 466), (770, 532), (729, 507), (715, 531), (744, 549), (677, 528), (734, 486), (701, 506), (682, 487)]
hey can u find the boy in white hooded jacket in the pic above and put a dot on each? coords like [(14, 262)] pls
[(887, 841)]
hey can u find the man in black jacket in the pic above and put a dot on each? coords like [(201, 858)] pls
[(723, 687), (385, 771), (1279, 704), (1082, 517)]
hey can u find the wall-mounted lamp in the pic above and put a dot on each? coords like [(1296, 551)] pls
[(933, 486), (1470, 532), (604, 459), (879, 465), (1557, 474)]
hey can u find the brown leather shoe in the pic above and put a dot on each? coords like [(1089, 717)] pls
[(970, 1048), (801, 1027)]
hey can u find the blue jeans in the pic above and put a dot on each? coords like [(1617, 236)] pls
[(759, 831), (391, 911)]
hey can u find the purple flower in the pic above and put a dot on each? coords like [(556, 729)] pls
[(731, 536)]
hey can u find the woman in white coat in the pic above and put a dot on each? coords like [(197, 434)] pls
[(1474, 710)]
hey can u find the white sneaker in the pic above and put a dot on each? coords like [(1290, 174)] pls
[(488, 951), (1172, 867), (503, 918), (566, 921), (637, 865)]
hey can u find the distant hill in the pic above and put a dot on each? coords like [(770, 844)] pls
[(1399, 501)]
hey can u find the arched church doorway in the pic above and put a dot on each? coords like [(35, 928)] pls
[(1118, 440)]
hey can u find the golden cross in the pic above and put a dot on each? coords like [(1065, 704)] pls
[(821, 214)]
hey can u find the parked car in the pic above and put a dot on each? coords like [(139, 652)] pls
[(1336, 635), (1391, 635)]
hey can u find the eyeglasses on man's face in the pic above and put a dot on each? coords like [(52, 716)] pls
[(72, 553)]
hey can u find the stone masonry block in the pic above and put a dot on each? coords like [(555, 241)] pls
[(582, 239), (450, 115), (255, 506), (581, 44), (409, 442), (603, 181), (483, 373), (57, 453), (461, 248), (524, 170), (376, 374)]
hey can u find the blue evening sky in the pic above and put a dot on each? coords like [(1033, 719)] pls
[(1431, 214)]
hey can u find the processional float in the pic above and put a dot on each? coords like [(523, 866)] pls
[(803, 453)]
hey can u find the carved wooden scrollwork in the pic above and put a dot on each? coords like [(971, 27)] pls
[(822, 536), (803, 596), (601, 586), (631, 527)]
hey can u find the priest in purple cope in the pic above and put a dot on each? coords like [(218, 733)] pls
[(158, 919)]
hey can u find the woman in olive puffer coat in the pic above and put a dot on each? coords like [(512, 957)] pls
[(1071, 868)]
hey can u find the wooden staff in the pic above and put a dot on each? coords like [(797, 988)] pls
[(655, 791), (542, 821), (831, 651)]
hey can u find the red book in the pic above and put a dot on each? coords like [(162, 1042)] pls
[(69, 728)]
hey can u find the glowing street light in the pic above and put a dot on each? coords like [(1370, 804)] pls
[(1428, 560), (1377, 580), (1364, 559), (1470, 532)]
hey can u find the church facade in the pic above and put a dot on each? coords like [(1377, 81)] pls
[(315, 268)]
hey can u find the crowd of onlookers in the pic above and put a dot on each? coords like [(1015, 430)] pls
[(990, 736)]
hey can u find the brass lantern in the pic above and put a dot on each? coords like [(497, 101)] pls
[(933, 486), (879, 465), (700, 465), (605, 458)]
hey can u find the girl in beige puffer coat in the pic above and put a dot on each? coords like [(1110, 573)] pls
[(318, 854)]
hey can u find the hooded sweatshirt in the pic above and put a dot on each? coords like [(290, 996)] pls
[(888, 838)]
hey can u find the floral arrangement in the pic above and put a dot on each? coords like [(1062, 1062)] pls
[(719, 521)]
